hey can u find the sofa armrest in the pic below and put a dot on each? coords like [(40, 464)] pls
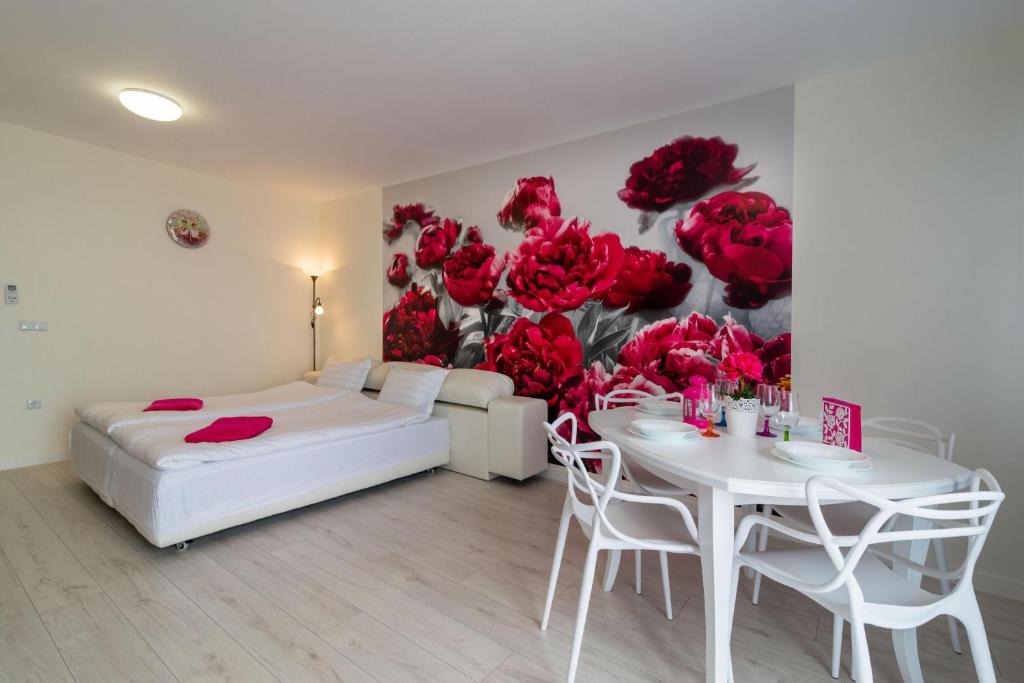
[(516, 444)]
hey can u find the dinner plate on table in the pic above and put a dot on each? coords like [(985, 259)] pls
[(664, 431), (657, 407), (821, 456)]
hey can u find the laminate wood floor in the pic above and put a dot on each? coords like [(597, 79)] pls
[(431, 578)]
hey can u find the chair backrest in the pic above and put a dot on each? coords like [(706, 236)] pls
[(965, 514), (571, 456), (630, 397), (923, 436)]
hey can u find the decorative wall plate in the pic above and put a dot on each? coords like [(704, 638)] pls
[(188, 229)]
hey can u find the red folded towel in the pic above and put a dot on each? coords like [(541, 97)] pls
[(175, 404), (230, 429)]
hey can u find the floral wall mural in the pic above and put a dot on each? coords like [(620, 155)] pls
[(634, 259)]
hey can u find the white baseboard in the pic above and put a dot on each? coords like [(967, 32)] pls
[(1003, 586), (30, 460)]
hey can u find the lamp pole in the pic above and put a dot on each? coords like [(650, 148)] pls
[(312, 320)]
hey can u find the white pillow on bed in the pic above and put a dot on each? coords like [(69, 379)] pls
[(342, 375), (415, 388)]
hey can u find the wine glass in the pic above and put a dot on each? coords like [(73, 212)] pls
[(788, 415), (724, 387), (769, 396), (710, 403)]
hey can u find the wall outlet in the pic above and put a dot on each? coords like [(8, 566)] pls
[(33, 404)]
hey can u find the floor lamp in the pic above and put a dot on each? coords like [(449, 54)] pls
[(318, 310)]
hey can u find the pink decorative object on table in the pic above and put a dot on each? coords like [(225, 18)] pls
[(840, 424), (176, 404)]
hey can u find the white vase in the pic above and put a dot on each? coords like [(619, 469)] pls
[(741, 417)]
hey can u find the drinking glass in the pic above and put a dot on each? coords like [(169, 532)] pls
[(710, 403), (724, 388), (789, 412), (769, 396)]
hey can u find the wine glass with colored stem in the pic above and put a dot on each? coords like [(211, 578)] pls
[(710, 403), (789, 412), (769, 396), (724, 388)]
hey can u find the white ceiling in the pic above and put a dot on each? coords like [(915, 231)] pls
[(318, 98)]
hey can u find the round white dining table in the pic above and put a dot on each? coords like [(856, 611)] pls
[(730, 471)]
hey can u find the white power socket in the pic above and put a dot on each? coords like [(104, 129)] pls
[(33, 404)]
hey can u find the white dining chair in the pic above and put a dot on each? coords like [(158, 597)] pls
[(638, 478), (612, 520), (847, 573), (847, 518)]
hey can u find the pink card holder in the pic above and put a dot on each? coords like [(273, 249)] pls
[(840, 424)]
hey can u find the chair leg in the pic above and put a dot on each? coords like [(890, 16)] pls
[(940, 564), (762, 545), (556, 564), (611, 569), (751, 542), (663, 556), (861, 667), (837, 643), (639, 570), (586, 585), (975, 627), (905, 642)]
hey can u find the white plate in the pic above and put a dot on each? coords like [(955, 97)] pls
[(663, 430), (810, 450), (824, 465), (655, 407)]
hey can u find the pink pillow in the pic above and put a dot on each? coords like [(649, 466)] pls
[(230, 429), (175, 404)]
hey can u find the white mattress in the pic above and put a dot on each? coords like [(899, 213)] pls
[(168, 505)]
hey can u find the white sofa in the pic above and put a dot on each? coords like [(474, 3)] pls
[(493, 433)]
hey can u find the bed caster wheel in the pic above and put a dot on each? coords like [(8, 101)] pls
[(183, 545), (430, 471)]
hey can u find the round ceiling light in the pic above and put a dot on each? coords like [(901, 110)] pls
[(150, 105)]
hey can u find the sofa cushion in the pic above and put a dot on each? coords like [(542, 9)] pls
[(463, 386)]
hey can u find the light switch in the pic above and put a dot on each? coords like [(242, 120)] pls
[(11, 293), (33, 325)]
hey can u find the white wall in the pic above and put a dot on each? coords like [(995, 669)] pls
[(909, 252), (131, 314), (352, 284)]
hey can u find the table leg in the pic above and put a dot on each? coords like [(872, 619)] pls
[(904, 642), (717, 533)]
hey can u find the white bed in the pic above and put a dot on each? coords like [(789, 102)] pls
[(171, 506), (324, 443)]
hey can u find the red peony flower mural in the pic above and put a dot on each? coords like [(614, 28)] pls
[(776, 357), (647, 280), (683, 170), (540, 358), (558, 265), (471, 274), (398, 273), (528, 203), (746, 241), (477, 306), (435, 242), (732, 336), (402, 216), (413, 330), (664, 356), (473, 235)]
